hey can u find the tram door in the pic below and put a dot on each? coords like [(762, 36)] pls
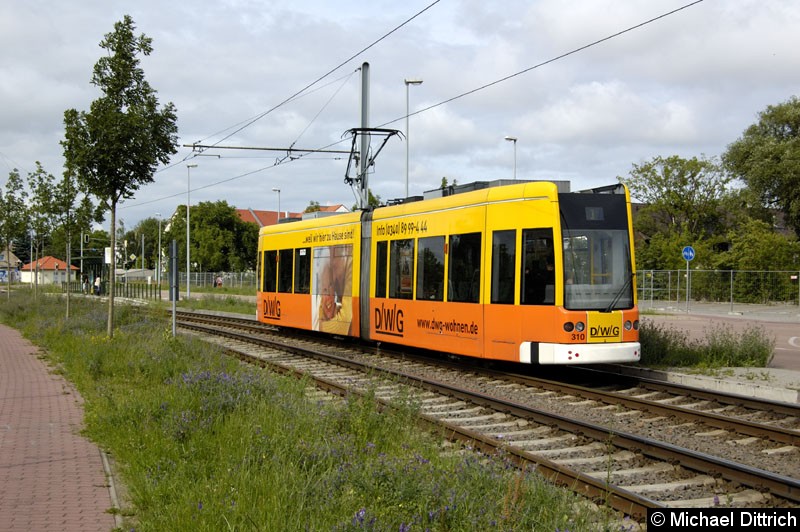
[(501, 335)]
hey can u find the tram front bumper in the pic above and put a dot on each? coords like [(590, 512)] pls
[(546, 353)]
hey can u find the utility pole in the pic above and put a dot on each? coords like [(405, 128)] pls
[(364, 155)]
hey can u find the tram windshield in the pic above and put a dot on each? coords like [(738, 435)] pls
[(597, 269)]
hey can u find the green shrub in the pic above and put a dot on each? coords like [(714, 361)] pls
[(722, 346)]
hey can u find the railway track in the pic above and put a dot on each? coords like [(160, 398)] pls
[(766, 430), (630, 470)]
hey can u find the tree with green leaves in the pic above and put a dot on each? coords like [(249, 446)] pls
[(373, 200), (116, 147), (684, 192), (147, 228), (42, 206), (313, 206), (13, 215), (767, 158), (221, 241), (683, 205), (72, 213), (755, 245), (86, 213)]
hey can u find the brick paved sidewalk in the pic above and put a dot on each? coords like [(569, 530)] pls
[(51, 478)]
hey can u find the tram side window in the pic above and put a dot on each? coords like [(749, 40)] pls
[(270, 270), (302, 271), (381, 259), (538, 267), (401, 269), (464, 272), (430, 269), (504, 252), (285, 269)]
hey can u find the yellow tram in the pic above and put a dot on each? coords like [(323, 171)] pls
[(517, 272)]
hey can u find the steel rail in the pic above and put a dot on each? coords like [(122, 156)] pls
[(778, 485)]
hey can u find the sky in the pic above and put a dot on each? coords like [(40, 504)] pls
[(587, 87)]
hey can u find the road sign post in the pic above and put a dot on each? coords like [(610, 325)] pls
[(688, 255)]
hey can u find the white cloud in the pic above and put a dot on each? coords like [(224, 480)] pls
[(609, 114), (689, 83)]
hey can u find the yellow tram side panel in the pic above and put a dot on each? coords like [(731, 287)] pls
[(472, 329), (507, 326), (439, 325), (332, 305)]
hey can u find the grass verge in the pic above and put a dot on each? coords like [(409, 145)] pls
[(224, 303), (206, 443), (722, 346)]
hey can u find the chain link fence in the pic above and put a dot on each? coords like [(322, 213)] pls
[(719, 286), (229, 279), (143, 284)]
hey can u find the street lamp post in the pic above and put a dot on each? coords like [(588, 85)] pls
[(188, 206), (279, 203), (514, 140), (158, 257), (408, 82)]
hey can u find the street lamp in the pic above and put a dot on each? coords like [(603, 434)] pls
[(188, 206), (158, 257), (408, 82), (514, 140), (279, 203)]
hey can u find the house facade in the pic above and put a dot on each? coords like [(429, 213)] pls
[(50, 270), (9, 266)]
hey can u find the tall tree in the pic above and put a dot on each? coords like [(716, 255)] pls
[(683, 204), (72, 213), (147, 228), (13, 215), (42, 206), (767, 159), (117, 146), (221, 241), (684, 192)]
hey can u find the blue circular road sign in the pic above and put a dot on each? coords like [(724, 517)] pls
[(688, 253)]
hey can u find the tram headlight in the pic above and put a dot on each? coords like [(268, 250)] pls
[(636, 325), (628, 325), (580, 326), (569, 326)]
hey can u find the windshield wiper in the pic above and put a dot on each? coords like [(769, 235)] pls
[(617, 297)]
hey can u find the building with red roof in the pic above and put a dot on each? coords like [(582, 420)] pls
[(50, 271), (264, 218)]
